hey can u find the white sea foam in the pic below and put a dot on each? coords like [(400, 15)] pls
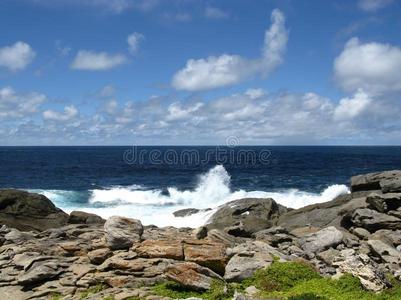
[(156, 207)]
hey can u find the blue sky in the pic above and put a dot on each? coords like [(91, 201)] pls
[(121, 72)]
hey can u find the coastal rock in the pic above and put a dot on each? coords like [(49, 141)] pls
[(188, 212), (28, 211), (81, 217), (391, 185), (361, 233), (386, 252), (200, 232), (361, 266), (207, 254), (251, 214), (40, 271), (191, 275), (328, 256), (122, 232), (373, 220), (243, 265), (321, 240), (160, 249), (372, 181), (385, 202), (98, 256), (322, 215)]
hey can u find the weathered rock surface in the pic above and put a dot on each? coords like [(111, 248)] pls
[(373, 220), (372, 181), (357, 233), (207, 254), (163, 249), (191, 275), (321, 240), (122, 232), (250, 215), (27, 211), (361, 266), (81, 217)]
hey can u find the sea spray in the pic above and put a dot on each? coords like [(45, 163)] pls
[(157, 207)]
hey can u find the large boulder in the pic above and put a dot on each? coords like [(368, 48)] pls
[(321, 215), (375, 181), (122, 233), (373, 220), (160, 249), (28, 211), (384, 202), (249, 215)]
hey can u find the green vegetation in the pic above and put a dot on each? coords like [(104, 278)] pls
[(56, 296), (173, 290), (287, 281), (93, 290)]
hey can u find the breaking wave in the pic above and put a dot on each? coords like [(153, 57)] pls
[(156, 206)]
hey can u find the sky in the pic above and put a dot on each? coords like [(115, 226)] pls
[(193, 72)]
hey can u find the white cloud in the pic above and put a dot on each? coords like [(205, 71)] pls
[(69, 113), (373, 67), (224, 70), (133, 40), (349, 108), (19, 105), (16, 57), (177, 112), (215, 13), (373, 5), (97, 61)]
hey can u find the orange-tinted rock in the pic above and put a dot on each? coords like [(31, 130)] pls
[(191, 275), (160, 249), (207, 254)]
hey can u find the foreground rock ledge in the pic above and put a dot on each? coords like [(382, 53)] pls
[(44, 252)]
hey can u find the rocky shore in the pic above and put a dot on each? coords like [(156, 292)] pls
[(48, 254)]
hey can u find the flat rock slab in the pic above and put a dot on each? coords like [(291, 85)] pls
[(321, 240), (208, 254), (160, 249), (191, 275)]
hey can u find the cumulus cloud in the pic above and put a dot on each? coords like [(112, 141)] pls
[(374, 67), (97, 61), (17, 56), (349, 108), (133, 40), (218, 71), (373, 5), (254, 116), (212, 12), (69, 113), (19, 105)]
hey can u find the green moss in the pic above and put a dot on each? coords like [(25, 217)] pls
[(218, 291), (288, 281), (93, 290), (56, 296), (283, 275)]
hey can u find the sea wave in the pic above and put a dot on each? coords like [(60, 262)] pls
[(156, 207)]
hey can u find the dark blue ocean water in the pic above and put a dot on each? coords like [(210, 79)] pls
[(146, 182), (83, 168)]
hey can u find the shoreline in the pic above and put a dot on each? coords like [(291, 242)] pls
[(45, 252)]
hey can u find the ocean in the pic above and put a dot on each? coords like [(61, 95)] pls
[(150, 183)]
